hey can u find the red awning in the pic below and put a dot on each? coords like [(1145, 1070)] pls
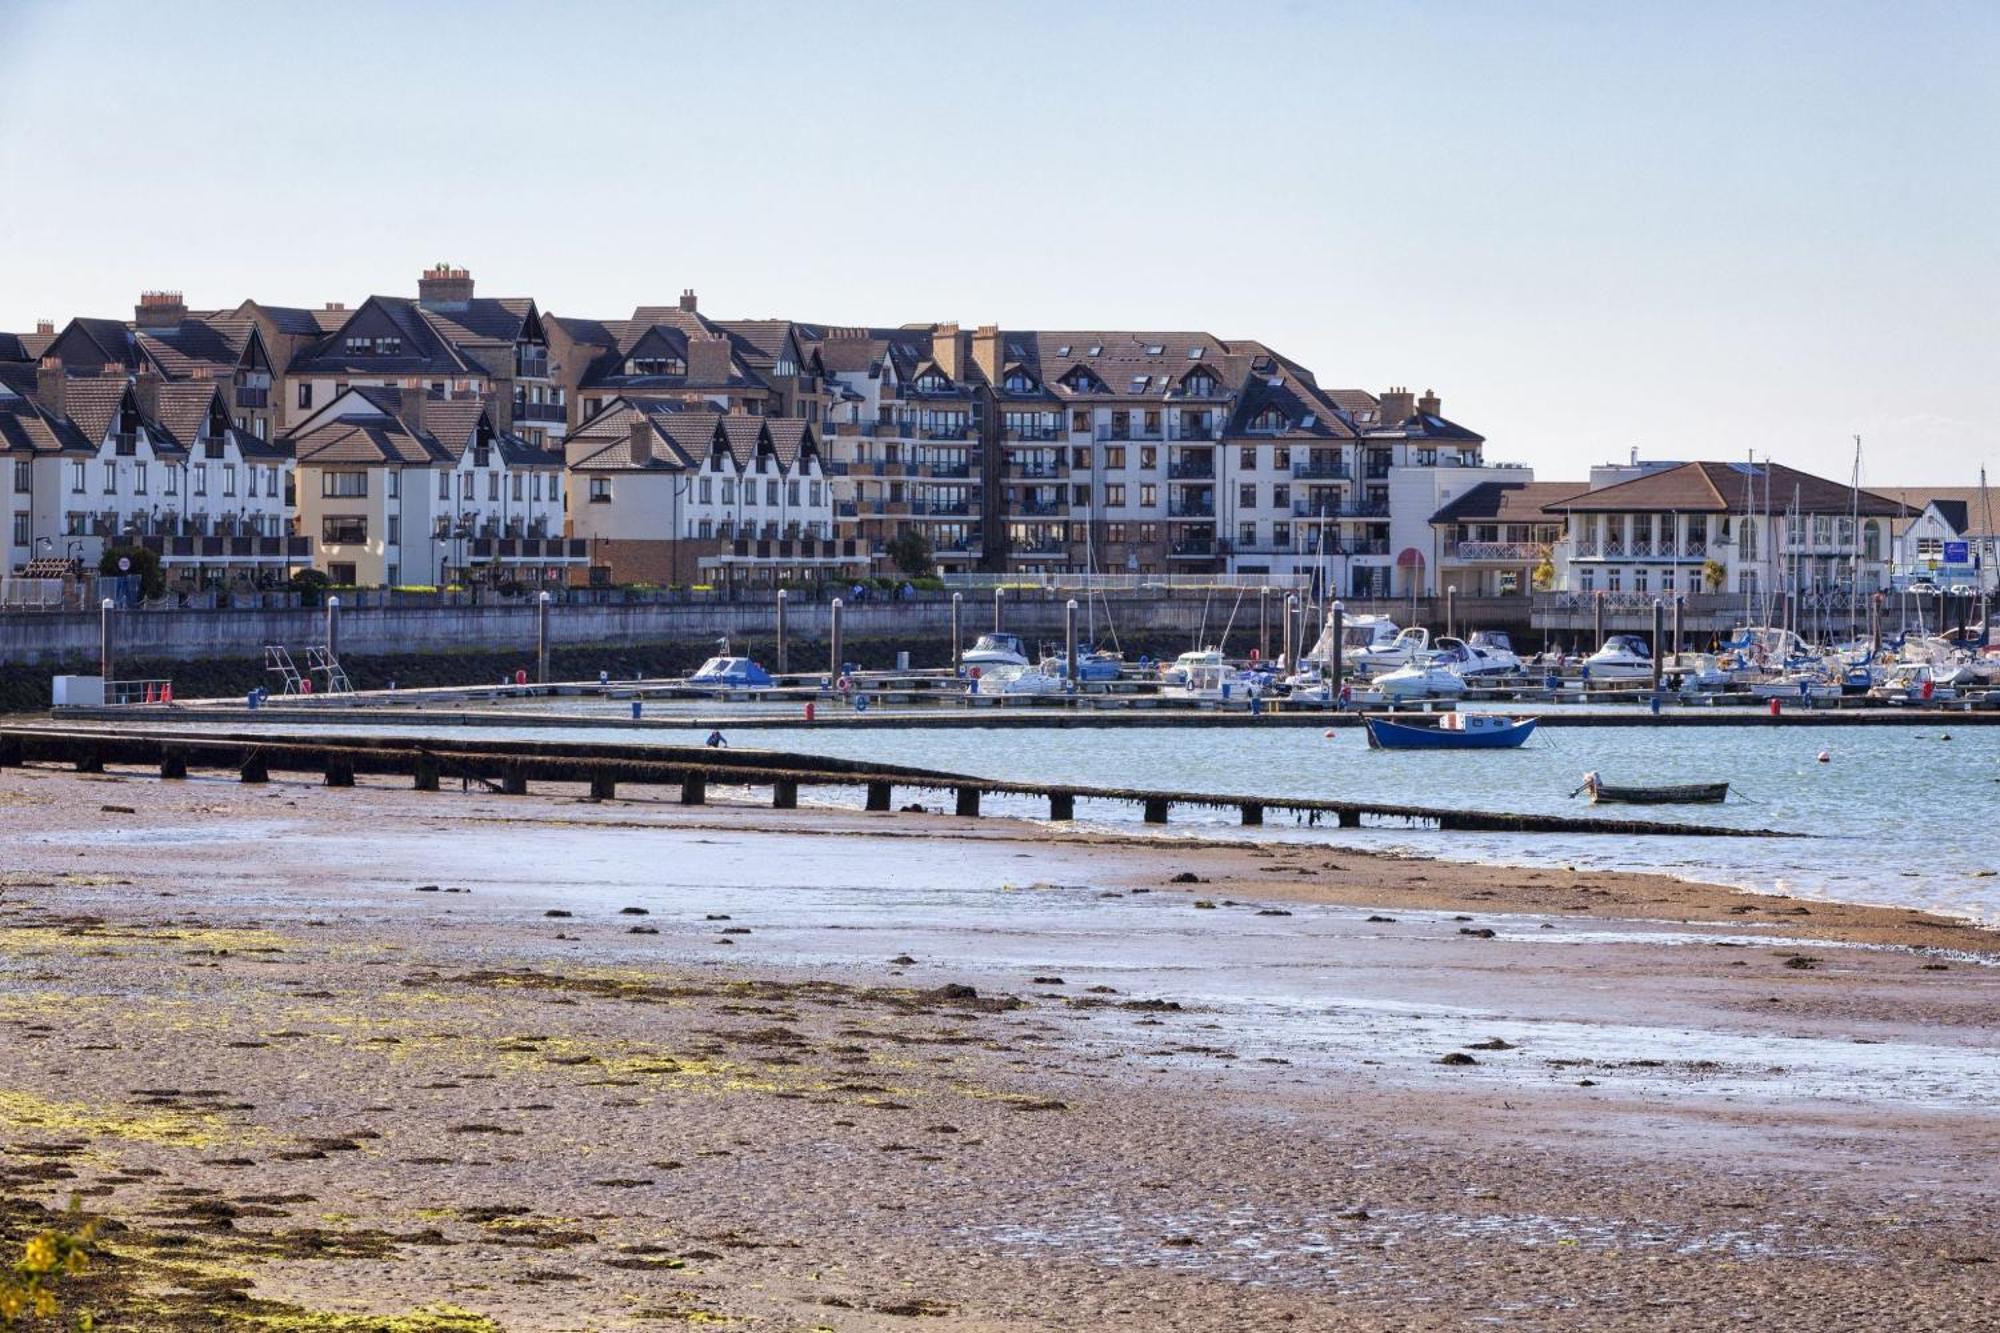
[(1411, 558)]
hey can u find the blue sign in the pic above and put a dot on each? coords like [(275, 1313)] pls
[(1958, 553)]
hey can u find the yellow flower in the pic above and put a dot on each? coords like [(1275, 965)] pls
[(76, 1262), (12, 1301), (41, 1254), (45, 1304)]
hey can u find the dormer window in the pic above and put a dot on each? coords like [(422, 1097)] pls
[(932, 382), (1269, 421), (1200, 384), (655, 365), (1018, 382)]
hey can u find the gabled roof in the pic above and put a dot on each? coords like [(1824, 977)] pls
[(425, 350), (614, 341), (189, 348), (89, 344), (1724, 488), (12, 348), (502, 320), (185, 408), (1966, 508), (376, 435), (680, 439), (1309, 416), (1510, 502), (26, 427), (791, 439), (92, 403)]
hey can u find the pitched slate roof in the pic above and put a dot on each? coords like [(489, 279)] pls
[(182, 407), (425, 349), (26, 427), (613, 341), (380, 436), (91, 402), (1964, 507), (1722, 488), (1510, 502), (12, 349), (681, 440), (484, 319), (791, 438)]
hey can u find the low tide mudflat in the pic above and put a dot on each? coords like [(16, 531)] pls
[(368, 1059)]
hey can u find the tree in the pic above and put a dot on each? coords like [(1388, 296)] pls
[(1712, 573), (134, 562), (911, 551), (1544, 575)]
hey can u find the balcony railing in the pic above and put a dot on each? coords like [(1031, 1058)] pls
[(1319, 469), (1194, 549), (946, 432), (1178, 509), (1194, 431), (1349, 509), (531, 365), (1142, 433), (526, 411), (1036, 471), (247, 397), (1192, 470), (1041, 509), (1513, 551), (1034, 433)]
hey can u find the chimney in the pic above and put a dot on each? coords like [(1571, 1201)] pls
[(146, 387), (1430, 405), (687, 299), (45, 327), (443, 285), (948, 350), (411, 400), (49, 383), (986, 351), (159, 310), (709, 355), (641, 447), (1398, 406), (336, 306)]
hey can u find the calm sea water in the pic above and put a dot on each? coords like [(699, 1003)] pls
[(1899, 814)]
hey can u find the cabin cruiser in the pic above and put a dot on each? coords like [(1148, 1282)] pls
[(1412, 645), (1210, 678), (1358, 634), (1623, 657), (1803, 684), (1912, 681), (1176, 672), (1420, 680), (991, 650), (1016, 679), (731, 673), (1092, 668), (1478, 657)]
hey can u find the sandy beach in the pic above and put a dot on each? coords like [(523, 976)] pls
[(371, 1059)]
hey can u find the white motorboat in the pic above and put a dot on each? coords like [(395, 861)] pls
[(1796, 685), (1008, 679), (1420, 680), (1176, 672), (991, 650), (1409, 646), (1623, 657), (1912, 682), (1475, 660), (1694, 673), (1210, 677), (1359, 634)]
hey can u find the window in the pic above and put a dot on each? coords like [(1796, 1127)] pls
[(1114, 455), (1246, 534), (1080, 458), (305, 393), (728, 491), (520, 487), (1588, 581), (343, 529), (24, 531), (792, 492), (1281, 534), (770, 491), (395, 529), (111, 479), (1149, 495), (535, 490), (1114, 494), (24, 477), (600, 490), (1149, 456), (1080, 495), (344, 485), (1871, 540), (555, 489), (77, 477), (1281, 497), (229, 478), (1246, 495), (1149, 532), (138, 479), (395, 576), (1746, 539), (1079, 420), (395, 483), (493, 486), (812, 494), (1639, 581), (705, 490), (465, 485), (271, 482), (173, 475), (1614, 580)]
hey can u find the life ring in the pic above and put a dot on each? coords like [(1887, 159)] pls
[(844, 684), (1254, 655)]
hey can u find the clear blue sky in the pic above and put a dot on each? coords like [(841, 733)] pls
[(1691, 228)]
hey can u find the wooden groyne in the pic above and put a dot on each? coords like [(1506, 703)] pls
[(510, 767)]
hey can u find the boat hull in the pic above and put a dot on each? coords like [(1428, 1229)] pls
[(1389, 734), (1693, 793)]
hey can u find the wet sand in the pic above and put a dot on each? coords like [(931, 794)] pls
[(372, 1053)]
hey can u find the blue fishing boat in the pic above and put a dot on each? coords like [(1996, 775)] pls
[(1449, 731), (731, 673)]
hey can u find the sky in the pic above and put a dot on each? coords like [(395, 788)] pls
[(1689, 229)]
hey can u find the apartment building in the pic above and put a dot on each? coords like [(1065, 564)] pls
[(674, 354), (1949, 539), (1490, 540), (667, 493), (112, 458), (1749, 528), (400, 488)]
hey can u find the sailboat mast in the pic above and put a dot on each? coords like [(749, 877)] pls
[(1854, 536)]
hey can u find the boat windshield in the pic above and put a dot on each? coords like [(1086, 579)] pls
[(1493, 640), (997, 643), (1366, 633), (1628, 644)]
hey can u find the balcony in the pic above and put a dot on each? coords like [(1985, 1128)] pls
[(940, 509), (1035, 471), (1192, 470), (1194, 431), (958, 432), (1141, 433), (945, 471), (253, 398), (1036, 434), (526, 411), (1321, 470), (1038, 546), (1513, 552), (1194, 549), (1190, 509), (531, 365), (1041, 509)]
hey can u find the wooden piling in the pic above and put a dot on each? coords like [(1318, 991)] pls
[(425, 773), (1253, 814), (339, 770), (968, 801), (694, 791), (1349, 818), (603, 787), (90, 761), (1156, 809), (1062, 805), (173, 762), (878, 796), (785, 794), (254, 767), (514, 781)]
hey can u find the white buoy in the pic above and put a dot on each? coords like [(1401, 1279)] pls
[(1328, 733), (1825, 758)]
